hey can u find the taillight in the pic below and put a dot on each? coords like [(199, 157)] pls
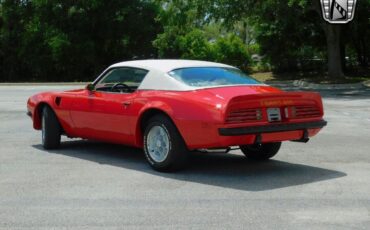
[(243, 115), (304, 111)]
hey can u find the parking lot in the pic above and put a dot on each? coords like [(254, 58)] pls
[(324, 184)]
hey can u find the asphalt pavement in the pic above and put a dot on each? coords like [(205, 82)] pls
[(324, 184)]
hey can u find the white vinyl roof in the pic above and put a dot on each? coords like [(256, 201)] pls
[(166, 66), (158, 78)]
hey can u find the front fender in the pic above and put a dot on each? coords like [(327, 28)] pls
[(34, 105), (58, 102)]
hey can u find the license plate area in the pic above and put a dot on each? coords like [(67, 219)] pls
[(273, 114)]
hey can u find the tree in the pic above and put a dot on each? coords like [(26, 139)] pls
[(12, 18), (178, 18), (68, 40), (188, 35), (283, 15), (333, 36), (231, 50), (194, 45), (358, 33)]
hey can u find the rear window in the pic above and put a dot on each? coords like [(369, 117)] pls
[(212, 76)]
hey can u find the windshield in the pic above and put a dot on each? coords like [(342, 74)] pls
[(212, 76)]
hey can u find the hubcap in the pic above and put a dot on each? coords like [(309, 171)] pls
[(158, 143)]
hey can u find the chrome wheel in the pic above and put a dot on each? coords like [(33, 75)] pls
[(158, 143)]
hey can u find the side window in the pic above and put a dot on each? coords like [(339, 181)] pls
[(131, 77)]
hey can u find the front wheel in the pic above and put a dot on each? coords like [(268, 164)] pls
[(261, 152), (50, 129), (164, 147)]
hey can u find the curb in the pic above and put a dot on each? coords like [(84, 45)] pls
[(366, 83), (296, 83), (308, 85)]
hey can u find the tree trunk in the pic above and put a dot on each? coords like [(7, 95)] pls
[(334, 52), (343, 49), (332, 33)]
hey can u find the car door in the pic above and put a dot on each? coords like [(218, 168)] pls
[(104, 113)]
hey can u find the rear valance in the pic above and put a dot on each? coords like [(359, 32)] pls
[(271, 128)]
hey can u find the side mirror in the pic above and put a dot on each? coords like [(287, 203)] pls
[(90, 87)]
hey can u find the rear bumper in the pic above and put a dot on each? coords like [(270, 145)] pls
[(274, 128)]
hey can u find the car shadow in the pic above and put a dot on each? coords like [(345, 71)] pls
[(223, 170)]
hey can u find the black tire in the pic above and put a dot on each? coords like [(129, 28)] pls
[(177, 153), (261, 152), (50, 129)]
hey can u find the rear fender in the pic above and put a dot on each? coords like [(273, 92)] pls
[(190, 119), (159, 107)]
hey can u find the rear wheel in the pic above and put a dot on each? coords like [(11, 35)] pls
[(164, 148), (50, 129), (261, 152)]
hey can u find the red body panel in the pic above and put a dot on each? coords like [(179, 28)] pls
[(198, 114)]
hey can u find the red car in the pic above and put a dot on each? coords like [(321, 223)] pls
[(171, 107)]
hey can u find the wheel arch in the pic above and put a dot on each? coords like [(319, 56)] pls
[(143, 120), (38, 114)]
